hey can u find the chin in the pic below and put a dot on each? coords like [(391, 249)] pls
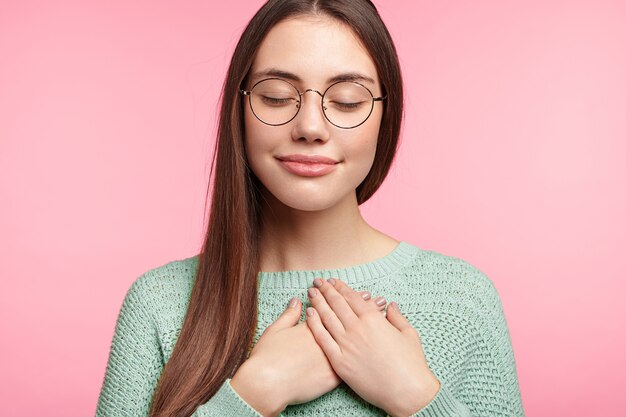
[(306, 199), (306, 203), (309, 197)]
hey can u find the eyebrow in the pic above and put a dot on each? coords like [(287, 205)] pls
[(346, 76)]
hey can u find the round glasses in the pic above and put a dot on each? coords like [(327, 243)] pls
[(345, 104)]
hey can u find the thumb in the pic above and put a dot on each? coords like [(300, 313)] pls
[(288, 318), (396, 318)]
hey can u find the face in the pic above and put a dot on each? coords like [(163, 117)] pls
[(311, 52)]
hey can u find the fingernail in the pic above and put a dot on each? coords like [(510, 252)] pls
[(332, 281), (293, 303), (312, 292), (310, 311), (317, 282), (394, 305), (380, 301), (366, 296)]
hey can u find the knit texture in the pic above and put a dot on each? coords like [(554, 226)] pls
[(453, 305)]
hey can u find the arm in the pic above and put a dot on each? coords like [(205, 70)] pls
[(136, 362), (494, 387), (444, 404)]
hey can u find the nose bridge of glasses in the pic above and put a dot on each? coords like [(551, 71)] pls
[(315, 91), (312, 89)]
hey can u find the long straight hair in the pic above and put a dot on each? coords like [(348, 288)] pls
[(221, 318)]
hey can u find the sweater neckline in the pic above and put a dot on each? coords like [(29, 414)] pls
[(400, 255)]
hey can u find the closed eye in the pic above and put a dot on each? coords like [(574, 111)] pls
[(347, 106), (275, 101)]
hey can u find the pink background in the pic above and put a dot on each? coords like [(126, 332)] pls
[(513, 158)]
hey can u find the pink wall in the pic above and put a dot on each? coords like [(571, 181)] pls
[(513, 158)]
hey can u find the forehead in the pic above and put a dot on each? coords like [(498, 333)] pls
[(315, 49)]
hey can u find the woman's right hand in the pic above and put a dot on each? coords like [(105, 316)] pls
[(286, 366)]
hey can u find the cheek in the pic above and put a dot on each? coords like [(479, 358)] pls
[(360, 153), (255, 137), (367, 157), (370, 140), (260, 144)]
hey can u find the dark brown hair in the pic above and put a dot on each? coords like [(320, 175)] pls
[(221, 319)]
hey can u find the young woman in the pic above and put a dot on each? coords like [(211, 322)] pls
[(310, 118)]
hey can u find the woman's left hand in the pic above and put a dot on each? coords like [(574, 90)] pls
[(380, 358)]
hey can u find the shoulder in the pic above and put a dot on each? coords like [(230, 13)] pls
[(157, 301), (455, 277), (169, 282), (453, 287), (180, 272)]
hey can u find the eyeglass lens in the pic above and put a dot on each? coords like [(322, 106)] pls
[(345, 104)]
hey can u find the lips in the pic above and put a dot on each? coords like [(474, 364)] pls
[(307, 165), (307, 159)]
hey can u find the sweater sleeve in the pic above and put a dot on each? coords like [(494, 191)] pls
[(496, 379), (444, 405), (136, 361)]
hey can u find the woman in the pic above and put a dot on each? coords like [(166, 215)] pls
[(310, 118)]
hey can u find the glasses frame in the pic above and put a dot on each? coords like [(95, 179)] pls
[(300, 94)]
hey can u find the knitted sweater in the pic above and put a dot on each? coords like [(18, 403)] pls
[(453, 305)]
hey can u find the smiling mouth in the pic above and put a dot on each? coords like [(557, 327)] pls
[(307, 159), (307, 165)]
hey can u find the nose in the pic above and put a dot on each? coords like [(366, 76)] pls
[(310, 123)]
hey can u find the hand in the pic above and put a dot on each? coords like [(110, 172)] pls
[(380, 358), (287, 366)]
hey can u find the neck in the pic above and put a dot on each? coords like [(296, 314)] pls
[(336, 237)]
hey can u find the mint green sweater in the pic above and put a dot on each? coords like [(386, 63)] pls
[(454, 306)]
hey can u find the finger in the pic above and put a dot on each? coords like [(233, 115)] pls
[(323, 338), (326, 314), (367, 296), (288, 318), (337, 302), (379, 303), (356, 303), (396, 318)]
